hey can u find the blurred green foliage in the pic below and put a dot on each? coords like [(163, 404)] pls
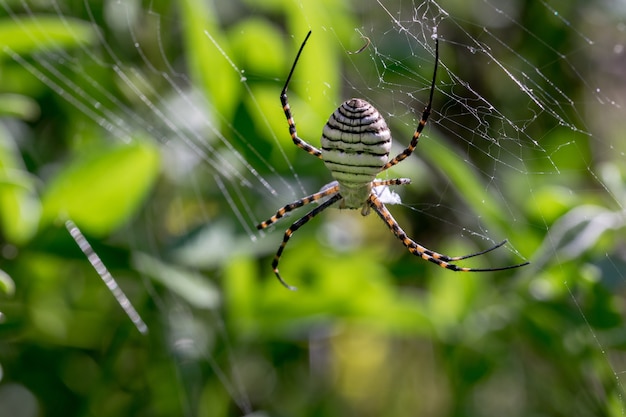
[(372, 330)]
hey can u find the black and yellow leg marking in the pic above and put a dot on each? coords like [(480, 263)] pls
[(425, 114), (426, 254), (292, 229), (300, 143), (296, 204), (395, 181)]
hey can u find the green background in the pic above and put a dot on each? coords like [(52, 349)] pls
[(372, 330)]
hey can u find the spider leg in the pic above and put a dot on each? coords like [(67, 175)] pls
[(426, 254), (395, 181), (300, 143), (296, 204), (425, 114), (381, 189), (292, 229)]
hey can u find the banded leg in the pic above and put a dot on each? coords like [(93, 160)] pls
[(426, 254), (296, 204), (395, 181), (425, 114), (300, 143), (292, 229)]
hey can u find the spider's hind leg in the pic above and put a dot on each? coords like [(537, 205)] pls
[(292, 229), (425, 253)]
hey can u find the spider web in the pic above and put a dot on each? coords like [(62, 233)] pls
[(500, 111), (495, 144)]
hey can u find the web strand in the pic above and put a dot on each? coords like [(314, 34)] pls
[(106, 277)]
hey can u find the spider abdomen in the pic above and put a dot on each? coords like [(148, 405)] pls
[(355, 143)]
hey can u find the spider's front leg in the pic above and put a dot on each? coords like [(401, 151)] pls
[(326, 191), (425, 114), (300, 143), (378, 188)]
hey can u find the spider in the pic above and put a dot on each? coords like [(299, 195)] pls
[(355, 148)]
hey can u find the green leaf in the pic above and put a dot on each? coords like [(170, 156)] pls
[(7, 286), (17, 105), (578, 231), (251, 40), (29, 35), (193, 287), (101, 189), (211, 48), (19, 204)]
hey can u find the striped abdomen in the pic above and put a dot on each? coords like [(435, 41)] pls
[(355, 146)]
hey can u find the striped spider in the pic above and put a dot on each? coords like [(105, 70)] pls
[(355, 148)]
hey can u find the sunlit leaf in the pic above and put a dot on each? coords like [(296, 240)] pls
[(31, 35), (7, 286), (210, 56), (578, 231), (19, 204), (251, 40), (17, 105), (102, 189)]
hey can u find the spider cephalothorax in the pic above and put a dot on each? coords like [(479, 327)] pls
[(355, 148)]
